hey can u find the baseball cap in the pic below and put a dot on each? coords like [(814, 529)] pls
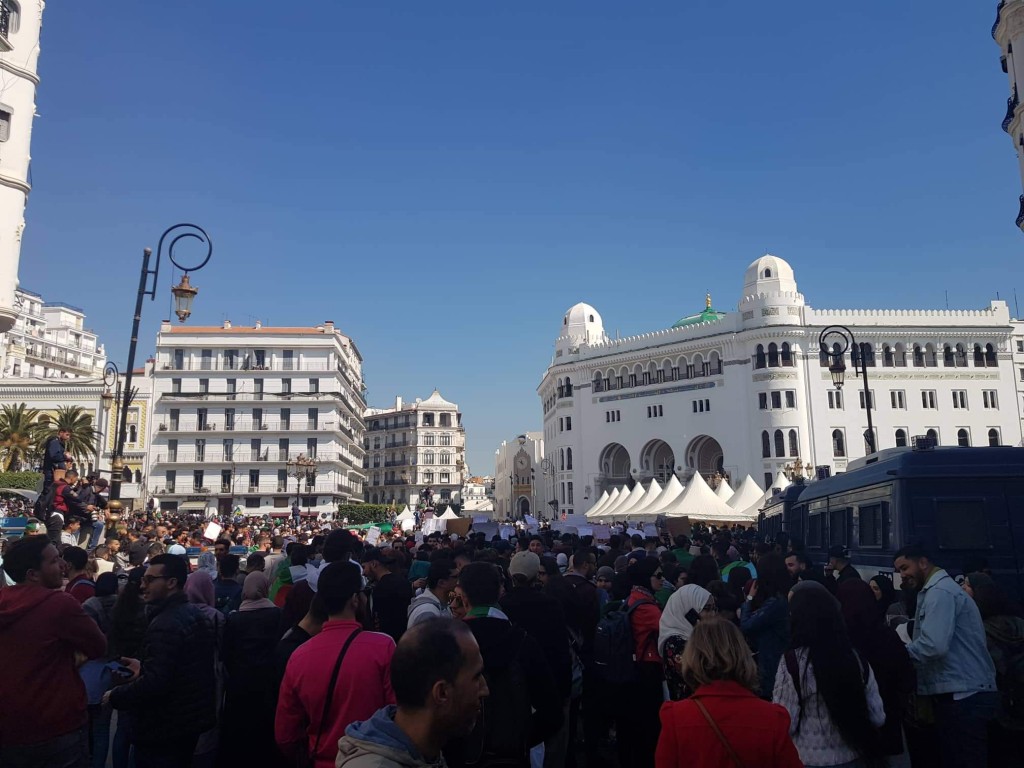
[(524, 564), (839, 551)]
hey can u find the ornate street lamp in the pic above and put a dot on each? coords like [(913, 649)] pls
[(302, 467), (184, 293), (842, 340)]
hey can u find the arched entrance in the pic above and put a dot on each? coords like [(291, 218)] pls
[(705, 455), (524, 507), (658, 460), (614, 464)]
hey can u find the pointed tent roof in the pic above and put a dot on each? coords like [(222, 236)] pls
[(612, 497), (599, 503), (673, 488), (449, 515), (699, 502), (613, 509), (436, 401), (647, 497), (781, 482), (407, 514), (747, 494), (724, 491)]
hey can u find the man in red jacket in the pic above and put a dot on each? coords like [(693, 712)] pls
[(44, 636)]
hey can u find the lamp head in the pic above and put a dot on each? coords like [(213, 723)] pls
[(184, 295), (838, 371)]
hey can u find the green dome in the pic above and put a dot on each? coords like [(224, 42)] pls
[(709, 315)]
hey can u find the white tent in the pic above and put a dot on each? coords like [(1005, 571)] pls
[(612, 498), (449, 515), (612, 509), (407, 514), (699, 503), (781, 482), (668, 494), (748, 494), (598, 504), (724, 491), (633, 510), (631, 499)]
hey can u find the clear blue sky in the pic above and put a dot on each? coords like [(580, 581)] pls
[(444, 179)]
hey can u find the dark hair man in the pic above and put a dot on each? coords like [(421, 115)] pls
[(391, 593), (227, 590), (438, 677), (172, 688), (523, 694), (65, 505), (839, 564), (45, 635), (338, 546), (442, 578), (954, 668), (315, 706), (81, 581)]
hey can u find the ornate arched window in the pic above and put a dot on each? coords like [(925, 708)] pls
[(773, 355), (901, 438), (759, 358), (766, 445), (838, 443), (993, 437), (794, 443), (568, 458), (787, 354), (780, 443), (963, 438)]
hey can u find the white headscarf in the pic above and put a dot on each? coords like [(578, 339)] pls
[(687, 598)]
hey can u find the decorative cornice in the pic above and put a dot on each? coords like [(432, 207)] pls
[(656, 392), (13, 183), (14, 69)]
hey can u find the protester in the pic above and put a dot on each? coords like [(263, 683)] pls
[(1004, 636), (890, 606), (764, 617), (839, 568), (723, 724), (171, 689), (523, 697), (391, 593), (954, 668), (438, 678), (338, 546), (81, 574), (683, 611), (829, 691), (442, 578), (199, 590), (315, 707), (308, 627), (128, 629), (55, 456), (227, 590), (44, 633), (703, 570), (542, 618), (879, 646)]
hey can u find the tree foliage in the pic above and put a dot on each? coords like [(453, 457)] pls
[(26, 481), (75, 420), (358, 514), (19, 435)]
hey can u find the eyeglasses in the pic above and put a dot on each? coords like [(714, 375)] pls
[(147, 579)]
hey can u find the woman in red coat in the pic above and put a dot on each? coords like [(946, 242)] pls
[(723, 724)]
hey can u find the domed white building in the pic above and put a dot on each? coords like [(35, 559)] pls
[(747, 391)]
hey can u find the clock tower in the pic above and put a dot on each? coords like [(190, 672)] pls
[(524, 502)]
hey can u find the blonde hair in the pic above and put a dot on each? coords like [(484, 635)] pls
[(717, 651)]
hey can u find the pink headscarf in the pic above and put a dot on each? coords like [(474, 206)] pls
[(200, 592)]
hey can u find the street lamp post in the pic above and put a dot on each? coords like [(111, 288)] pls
[(184, 294), (302, 467), (843, 341)]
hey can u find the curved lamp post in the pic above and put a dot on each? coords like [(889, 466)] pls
[(302, 467), (843, 340), (184, 293)]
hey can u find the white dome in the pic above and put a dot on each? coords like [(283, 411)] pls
[(769, 273), (583, 322)]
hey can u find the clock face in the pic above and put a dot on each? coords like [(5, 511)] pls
[(521, 462)]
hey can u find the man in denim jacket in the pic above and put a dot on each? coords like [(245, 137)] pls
[(953, 665)]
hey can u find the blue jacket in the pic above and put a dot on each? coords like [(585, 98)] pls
[(948, 647), (767, 629), (54, 457)]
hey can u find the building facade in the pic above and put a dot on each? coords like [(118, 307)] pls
[(748, 392), (477, 496), (20, 25), (522, 479), (413, 446), (1008, 32), (256, 418), (50, 340)]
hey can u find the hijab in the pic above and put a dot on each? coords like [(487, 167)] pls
[(208, 564), (888, 591), (200, 592), (254, 592), (687, 598), (860, 610), (807, 585)]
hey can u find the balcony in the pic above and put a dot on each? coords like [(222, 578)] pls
[(213, 455), (1011, 109), (240, 366)]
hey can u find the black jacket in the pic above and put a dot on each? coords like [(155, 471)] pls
[(542, 618), (249, 641), (54, 457), (584, 613), (175, 692), (389, 605)]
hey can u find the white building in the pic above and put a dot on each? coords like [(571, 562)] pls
[(747, 392), (477, 498), (523, 479), (50, 340), (1008, 32), (20, 24), (235, 407), (413, 446)]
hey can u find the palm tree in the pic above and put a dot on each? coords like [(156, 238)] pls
[(77, 421), (19, 432)]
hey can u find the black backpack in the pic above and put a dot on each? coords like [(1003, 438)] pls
[(614, 645), (502, 732)]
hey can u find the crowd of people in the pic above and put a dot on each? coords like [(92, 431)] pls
[(316, 648)]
